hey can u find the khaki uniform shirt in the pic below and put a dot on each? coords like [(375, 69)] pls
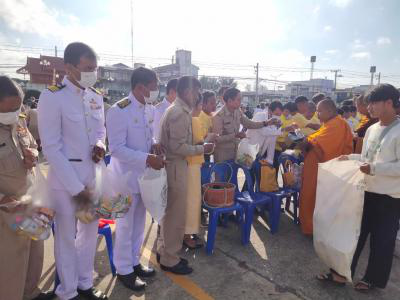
[(226, 124), (14, 178), (176, 132), (33, 123)]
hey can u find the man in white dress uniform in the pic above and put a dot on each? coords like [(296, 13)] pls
[(162, 107), (130, 137), (71, 127)]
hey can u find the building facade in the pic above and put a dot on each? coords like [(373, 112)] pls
[(309, 88), (181, 67)]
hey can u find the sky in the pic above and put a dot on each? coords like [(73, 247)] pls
[(227, 38)]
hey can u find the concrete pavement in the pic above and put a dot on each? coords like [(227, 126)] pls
[(281, 266)]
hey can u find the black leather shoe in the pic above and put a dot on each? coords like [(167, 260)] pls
[(132, 282), (45, 296), (144, 272), (92, 294), (183, 260), (77, 297), (179, 269)]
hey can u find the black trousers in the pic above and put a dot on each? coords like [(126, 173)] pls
[(380, 220)]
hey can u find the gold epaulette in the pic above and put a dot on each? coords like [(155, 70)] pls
[(22, 116), (55, 88), (95, 91), (124, 103)]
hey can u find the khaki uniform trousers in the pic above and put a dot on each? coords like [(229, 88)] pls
[(21, 263), (173, 223)]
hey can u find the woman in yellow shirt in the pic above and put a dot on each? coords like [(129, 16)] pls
[(193, 206)]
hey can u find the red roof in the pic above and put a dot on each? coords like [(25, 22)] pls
[(43, 69)]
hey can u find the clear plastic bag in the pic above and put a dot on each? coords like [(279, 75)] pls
[(246, 153), (112, 192), (36, 219)]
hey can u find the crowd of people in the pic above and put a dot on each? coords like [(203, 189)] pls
[(179, 134)]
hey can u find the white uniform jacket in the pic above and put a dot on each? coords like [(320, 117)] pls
[(71, 122), (130, 137), (158, 114)]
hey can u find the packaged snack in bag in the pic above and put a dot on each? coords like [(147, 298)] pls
[(114, 197), (246, 153), (36, 219)]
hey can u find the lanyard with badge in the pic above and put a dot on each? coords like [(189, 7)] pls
[(376, 145)]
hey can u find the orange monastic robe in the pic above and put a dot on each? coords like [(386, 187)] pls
[(333, 139)]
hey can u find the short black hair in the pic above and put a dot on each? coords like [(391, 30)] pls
[(300, 99), (346, 108), (230, 94), (9, 88), (222, 90), (172, 84), (353, 108), (318, 97), (207, 95), (340, 111), (143, 76), (75, 51), (186, 82), (199, 100), (384, 92), (274, 105), (290, 106)]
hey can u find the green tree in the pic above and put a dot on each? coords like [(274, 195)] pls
[(209, 83)]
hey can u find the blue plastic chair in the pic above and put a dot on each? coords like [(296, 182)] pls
[(106, 232), (295, 192), (249, 199), (223, 172), (276, 197)]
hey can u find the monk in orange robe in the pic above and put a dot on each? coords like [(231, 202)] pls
[(365, 122), (333, 139)]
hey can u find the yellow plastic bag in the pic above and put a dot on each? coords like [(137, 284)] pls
[(268, 178)]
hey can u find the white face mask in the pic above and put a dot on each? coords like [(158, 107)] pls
[(88, 79), (10, 118), (152, 98)]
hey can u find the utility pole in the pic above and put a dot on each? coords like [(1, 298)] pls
[(336, 75), (379, 78), (55, 51), (132, 33), (313, 59), (372, 70), (256, 68)]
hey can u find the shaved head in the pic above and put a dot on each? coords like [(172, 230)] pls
[(326, 110)]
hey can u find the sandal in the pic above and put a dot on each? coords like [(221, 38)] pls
[(329, 279), (363, 286)]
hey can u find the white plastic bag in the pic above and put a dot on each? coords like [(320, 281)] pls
[(338, 213), (153, 187), (246, 153)]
